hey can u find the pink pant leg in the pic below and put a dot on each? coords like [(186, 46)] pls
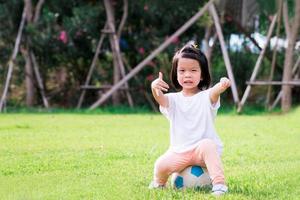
[(169, 163), (206, 155)]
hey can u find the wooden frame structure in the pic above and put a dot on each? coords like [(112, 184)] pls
[(209, 6), (120, 63), (12, 60), (252, 82), (113, 35), (28, 54)]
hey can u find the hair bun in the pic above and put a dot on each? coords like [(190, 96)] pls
[(190, 47), (192, 44)]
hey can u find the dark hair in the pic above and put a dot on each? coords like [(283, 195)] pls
[(191, 51)]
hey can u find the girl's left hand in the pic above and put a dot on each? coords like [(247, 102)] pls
[(224, 83), (218, 89)]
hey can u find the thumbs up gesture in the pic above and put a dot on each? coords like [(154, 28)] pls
[(158, 85)]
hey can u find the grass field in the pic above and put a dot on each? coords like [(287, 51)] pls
[(92, 156)]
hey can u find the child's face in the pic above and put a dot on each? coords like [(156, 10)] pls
[(188, 73)]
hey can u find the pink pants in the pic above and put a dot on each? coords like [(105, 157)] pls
[(204, 155)]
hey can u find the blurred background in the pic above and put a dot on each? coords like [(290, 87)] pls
[(60, 37)]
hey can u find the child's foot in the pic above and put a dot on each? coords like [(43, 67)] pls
[(154, 185), (219, 189)]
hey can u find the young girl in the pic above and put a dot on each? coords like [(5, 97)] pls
[(191, 112)]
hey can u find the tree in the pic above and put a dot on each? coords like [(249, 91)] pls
[(286, 99)]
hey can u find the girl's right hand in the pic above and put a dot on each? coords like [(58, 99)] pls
[(158, 85)]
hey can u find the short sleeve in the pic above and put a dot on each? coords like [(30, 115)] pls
[(168, 111)]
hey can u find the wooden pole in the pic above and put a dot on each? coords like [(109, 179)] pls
[(257, 65), (114, 43), (39, 80), (25, 50), (269, 91), (124, 17), (32, 16), (210, 35), (33, 64), (287, 26), (248, 35), (13, 58), (148, 97), (295, 67), (38, 10), (295, 83), (140, 66), (29, 76), (118, 36), (92, 67), (214, 14), (286, 100)]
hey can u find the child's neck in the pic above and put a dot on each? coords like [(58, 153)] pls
[(190, 92)]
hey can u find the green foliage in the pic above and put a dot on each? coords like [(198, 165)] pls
[(271, 7), (226, 108), (65, 37), (71, 156), (268, 9)]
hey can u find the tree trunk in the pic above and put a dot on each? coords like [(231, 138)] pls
[(207, 36), (111, 26), (210, 35), (269, 91), (30, 93), (39, 79), (12, 60), (286, 100)]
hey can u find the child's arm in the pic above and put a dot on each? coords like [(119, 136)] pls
[(218, 89), (157, 86)]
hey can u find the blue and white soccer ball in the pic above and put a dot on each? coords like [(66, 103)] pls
[(191, 177)]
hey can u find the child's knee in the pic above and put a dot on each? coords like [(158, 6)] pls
[(161, 166)]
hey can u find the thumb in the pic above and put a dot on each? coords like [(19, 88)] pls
[(160, 75)]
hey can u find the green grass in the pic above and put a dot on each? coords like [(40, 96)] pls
[(227, 108), (102, 156)]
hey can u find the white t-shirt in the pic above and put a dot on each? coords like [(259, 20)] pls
[(191, 120)]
